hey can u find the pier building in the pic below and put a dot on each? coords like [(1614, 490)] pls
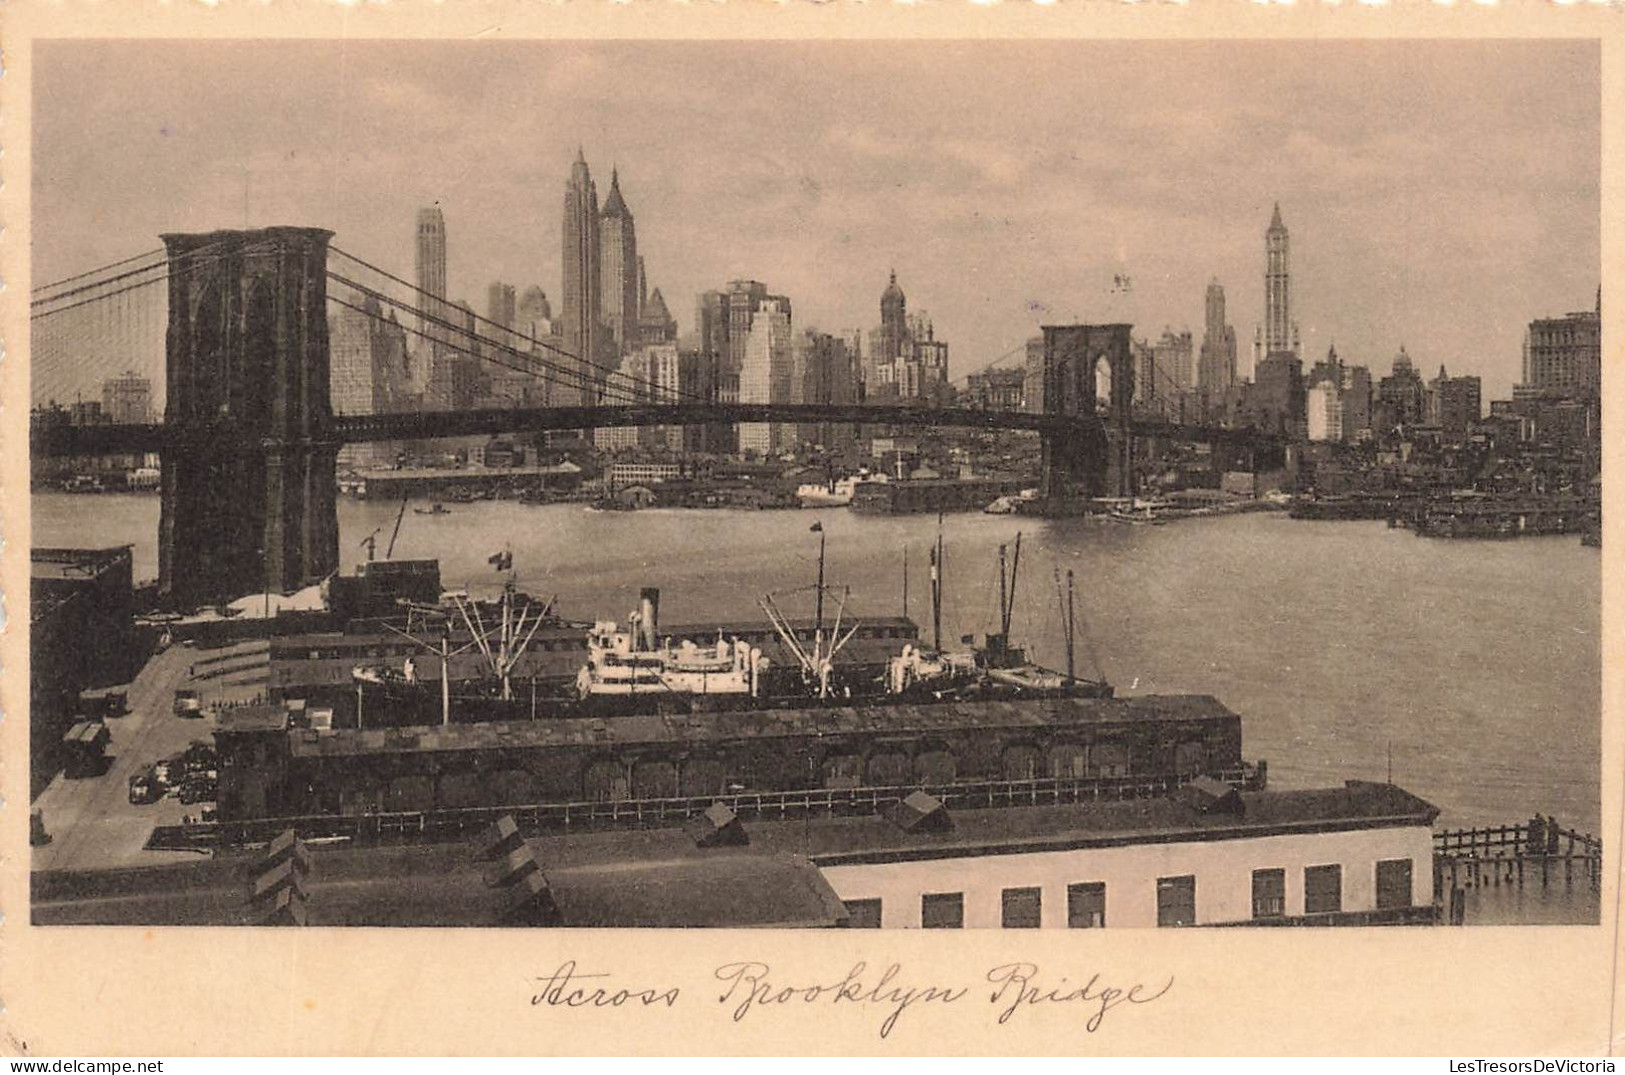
[(1068, 747), (1360, 854)]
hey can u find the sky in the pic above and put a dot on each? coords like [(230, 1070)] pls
[(1439, 195)]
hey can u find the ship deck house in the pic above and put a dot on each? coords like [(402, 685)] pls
[(318, 668)]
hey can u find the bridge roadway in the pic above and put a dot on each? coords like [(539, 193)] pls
[(417, 425)]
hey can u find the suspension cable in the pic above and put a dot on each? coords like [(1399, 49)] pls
[(584, 380), (176, 274), (542, 374), (93, 272), (190, 256), (97, 285), (587, 362)]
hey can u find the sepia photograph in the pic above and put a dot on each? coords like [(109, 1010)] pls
[(958, 484)]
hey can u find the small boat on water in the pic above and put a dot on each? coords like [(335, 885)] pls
[(1011, 505), (438, 509)]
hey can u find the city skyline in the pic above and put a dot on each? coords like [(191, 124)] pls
[(996, 221)]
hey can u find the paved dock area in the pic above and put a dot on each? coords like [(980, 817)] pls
[(91, 821)]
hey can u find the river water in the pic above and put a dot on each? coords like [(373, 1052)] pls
[(1474, 666)]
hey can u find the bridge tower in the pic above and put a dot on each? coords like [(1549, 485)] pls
[(249, 492), (1097, 459)]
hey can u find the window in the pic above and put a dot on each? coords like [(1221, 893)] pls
[(1022, 908), (1269, 893), (1086, 905), (942, 910), (1393, 884), (1322, 889), (1176, 901), (862, 914)]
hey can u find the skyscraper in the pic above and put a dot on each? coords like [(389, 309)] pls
[(655, 322), (1563, 355), (1356, 403), (367, 358), (1325, 412), (1278, 328), (1173, 362), (723, 324), (582, 306), (500, 304), (431, 266), (1401, 397), (1216, 368), (367, 371), (1032, 388), (767, 374), (828, 368), (618, 267), (533, 314), (127, 400), (893, 322), (1454, 403)]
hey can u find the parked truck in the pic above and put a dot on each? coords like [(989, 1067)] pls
[(86, 746)]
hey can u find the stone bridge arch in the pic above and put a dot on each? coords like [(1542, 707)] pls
[(1095, 456)]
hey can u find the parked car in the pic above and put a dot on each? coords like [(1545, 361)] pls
[(198, 791), (144, 789)]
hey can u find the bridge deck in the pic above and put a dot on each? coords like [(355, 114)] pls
[(348, 429)]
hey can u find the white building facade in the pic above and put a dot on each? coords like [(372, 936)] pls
[(1325, 412), (766, 376), (1371, 865)]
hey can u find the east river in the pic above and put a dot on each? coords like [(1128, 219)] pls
[(1475, 666)]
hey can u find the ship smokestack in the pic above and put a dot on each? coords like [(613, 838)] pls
[(649, 615)]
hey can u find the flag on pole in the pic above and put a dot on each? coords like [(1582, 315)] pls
[(816, 528), (502, 561)]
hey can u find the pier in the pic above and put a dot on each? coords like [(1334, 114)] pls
[(1497, 855), (1496, 517)]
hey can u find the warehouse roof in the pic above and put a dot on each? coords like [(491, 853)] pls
[(665, 877), (766, 724)]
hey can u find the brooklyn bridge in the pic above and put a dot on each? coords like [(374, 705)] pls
[(249, 436)]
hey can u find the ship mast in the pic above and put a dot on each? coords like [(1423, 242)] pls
[(936, 589), (445, 653), (818, 615), (1067, 622), (397, 533), (1007, 597), (814, 665), (513, 639)]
